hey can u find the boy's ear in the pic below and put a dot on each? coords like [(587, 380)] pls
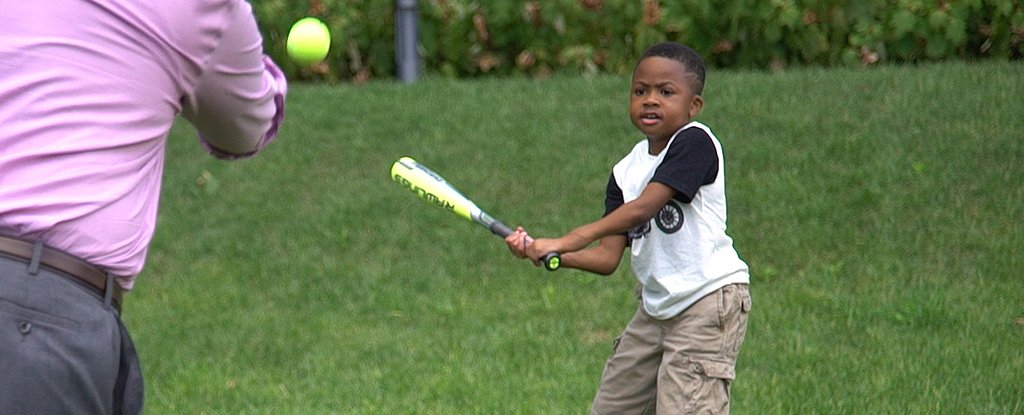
[(696, 105)]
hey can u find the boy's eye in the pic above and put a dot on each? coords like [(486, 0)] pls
[(667, 93), (639, 92)]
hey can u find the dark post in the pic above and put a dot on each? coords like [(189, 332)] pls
[(406, 39)]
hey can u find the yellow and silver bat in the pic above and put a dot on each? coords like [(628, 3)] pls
[(433, 188)]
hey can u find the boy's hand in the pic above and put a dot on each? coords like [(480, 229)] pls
[(518, 241), (541, 247)]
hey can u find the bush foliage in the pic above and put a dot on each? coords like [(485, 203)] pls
[(467, 38)]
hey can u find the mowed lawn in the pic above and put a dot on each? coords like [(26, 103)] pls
[(880, 211)]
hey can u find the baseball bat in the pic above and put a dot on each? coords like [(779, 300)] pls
[(433, 188)]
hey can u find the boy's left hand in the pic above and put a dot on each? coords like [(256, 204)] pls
[(518, 242)]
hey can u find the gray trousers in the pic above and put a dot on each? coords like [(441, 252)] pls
[(62, 349)]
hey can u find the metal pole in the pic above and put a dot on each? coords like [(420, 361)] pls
[(406, 39)]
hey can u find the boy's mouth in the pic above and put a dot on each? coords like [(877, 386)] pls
[(649, 119)]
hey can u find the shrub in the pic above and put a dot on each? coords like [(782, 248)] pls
[(467, 38)]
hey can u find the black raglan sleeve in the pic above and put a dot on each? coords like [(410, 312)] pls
[(612, 196), (690, 163), (613, 199)]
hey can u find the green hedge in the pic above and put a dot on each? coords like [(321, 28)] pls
[(464, 38)]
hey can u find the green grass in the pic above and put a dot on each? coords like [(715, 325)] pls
[(880, 211)]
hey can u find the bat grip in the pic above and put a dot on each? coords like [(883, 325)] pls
[(500, 229)]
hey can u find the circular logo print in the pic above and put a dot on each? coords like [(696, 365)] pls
[(670, 218)]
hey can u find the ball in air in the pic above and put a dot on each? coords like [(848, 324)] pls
[(308, 41)]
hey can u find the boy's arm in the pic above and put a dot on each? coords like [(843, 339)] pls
[(602, 259), (619, 221)]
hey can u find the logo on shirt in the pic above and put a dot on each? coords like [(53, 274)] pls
[(669, 219), (640, 231)]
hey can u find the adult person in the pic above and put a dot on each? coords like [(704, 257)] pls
[(88, 92)]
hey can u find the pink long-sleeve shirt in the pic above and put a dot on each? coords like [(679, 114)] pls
[(88, 92)]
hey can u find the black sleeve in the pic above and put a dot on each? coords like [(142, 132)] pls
[(690, 163), (613, 199), (612, 196)]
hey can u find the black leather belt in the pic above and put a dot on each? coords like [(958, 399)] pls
[(61, 261)]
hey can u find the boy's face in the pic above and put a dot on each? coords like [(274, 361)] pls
[(662, 98)]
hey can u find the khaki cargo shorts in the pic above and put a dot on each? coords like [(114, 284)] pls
[(684, 365)]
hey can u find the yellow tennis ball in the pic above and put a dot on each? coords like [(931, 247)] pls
[(308, 41)]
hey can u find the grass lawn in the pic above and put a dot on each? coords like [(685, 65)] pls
[(881, 212)]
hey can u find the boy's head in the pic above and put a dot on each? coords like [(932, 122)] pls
[(666, 91), (683, 54)]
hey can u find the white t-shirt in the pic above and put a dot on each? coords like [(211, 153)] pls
[(683, 252)]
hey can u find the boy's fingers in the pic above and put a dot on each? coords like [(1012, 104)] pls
[(517, 243)]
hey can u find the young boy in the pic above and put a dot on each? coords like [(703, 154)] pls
[(666, 201)]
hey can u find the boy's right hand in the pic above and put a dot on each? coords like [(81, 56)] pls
[(518, 241)]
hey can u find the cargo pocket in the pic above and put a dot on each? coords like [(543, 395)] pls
[(713, 392), (715, 370)]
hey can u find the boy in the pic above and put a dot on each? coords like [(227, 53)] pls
[(666, 201)]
